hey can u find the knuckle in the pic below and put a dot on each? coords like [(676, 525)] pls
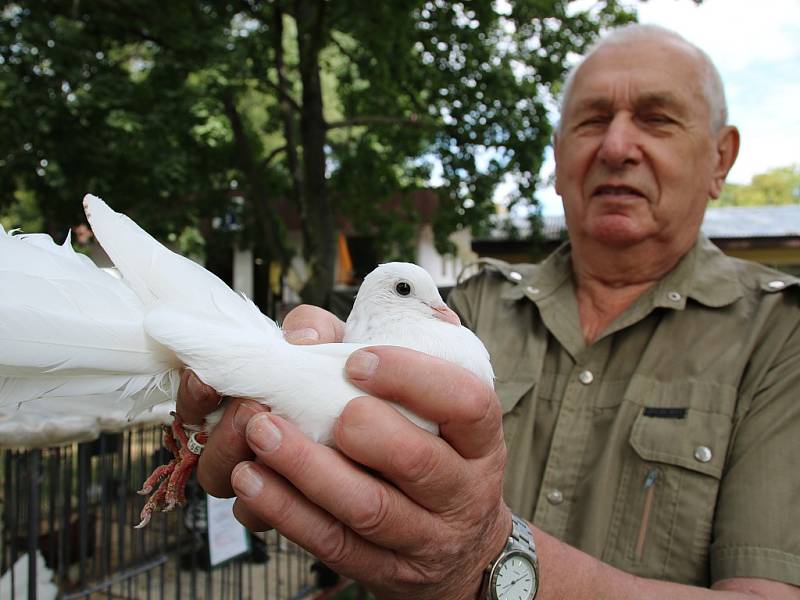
[(415, 461), (332, 544), (302, 461), (371, 513), (280, 505), (480, 404)]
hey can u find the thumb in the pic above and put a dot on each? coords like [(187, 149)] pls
[(308, 324)]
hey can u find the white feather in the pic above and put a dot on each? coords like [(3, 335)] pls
[(68, 330), (381, 315)]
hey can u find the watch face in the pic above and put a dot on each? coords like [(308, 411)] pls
[(514, 578)]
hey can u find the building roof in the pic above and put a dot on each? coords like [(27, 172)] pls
[(721, 222), (752, 221)]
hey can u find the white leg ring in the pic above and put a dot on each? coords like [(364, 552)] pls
[(194, 446)]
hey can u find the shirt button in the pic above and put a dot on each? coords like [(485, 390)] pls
[(586, 377), (555, 496), (776, 285), (703, 454), (532, 290), (515, 276), (674, 296)]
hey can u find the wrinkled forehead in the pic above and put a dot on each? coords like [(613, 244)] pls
[(630, 73)]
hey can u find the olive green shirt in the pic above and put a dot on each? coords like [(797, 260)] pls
[(670, 447)]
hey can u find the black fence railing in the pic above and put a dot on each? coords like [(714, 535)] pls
[(66, 517)]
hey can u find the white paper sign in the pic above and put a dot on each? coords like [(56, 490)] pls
[(227, 538)]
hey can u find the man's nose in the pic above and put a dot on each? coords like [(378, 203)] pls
[(621, 141)]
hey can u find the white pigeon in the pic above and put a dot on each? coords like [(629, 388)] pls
[(70, 330), (399, 304)]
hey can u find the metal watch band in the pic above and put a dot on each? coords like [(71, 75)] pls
[(521, 533), (521, 538)]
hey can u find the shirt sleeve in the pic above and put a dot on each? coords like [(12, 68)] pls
[(462, 300), (757, 523)]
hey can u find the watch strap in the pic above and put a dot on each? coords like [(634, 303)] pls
[(521, 533), (521, 538)]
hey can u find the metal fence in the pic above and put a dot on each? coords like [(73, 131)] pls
[(67, 516)]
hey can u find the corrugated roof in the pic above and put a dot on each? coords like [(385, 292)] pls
[(720, 222), (752, 221)]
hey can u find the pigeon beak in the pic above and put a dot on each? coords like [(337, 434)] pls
[(445, 313)]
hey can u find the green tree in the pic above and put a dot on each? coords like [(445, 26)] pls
[(183, 113), (777, 186)]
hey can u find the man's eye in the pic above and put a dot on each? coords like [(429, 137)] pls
[(595, 120), (658, 119), (403, 288)]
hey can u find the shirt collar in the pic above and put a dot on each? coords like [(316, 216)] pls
[(704, 274)]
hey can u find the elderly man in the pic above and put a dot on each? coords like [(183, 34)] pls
[(647, 388)]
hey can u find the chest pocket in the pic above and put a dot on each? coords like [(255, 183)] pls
[(516, 400), (664, 509), (511, 394)]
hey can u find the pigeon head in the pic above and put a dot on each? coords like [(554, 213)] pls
[(406, 288)]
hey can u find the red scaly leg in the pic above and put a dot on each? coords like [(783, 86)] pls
[(174, 475), (164, 470), (153, 504), (191, 447)]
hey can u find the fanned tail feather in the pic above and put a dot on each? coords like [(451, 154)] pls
[(69, 330), (158, 275)]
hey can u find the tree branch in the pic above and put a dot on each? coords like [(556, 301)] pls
[(284, 94), (379, 120), (271, 156), (341, 48), (410, 93)]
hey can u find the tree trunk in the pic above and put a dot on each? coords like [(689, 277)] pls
[(255, 191), (319, 239)]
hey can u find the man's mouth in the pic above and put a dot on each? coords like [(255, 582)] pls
[(617, 190)]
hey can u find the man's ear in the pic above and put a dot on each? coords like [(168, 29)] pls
[(555, 156), (727, 151)]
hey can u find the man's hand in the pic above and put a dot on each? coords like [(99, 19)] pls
[(423, 521), (427, 517)]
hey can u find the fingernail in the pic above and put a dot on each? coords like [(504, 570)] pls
[(262, 433), (244, 412), (362, 364), (246, 480), (301, 335)]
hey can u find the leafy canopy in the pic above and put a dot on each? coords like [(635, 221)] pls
[(265, 115), (776, 186)]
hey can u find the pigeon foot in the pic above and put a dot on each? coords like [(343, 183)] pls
[(172, 477)]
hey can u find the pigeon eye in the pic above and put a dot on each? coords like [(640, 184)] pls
[(403, 288)]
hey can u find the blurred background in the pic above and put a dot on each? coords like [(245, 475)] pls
[(291, 146)]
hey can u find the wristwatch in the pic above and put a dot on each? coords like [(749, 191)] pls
[(514, 574)]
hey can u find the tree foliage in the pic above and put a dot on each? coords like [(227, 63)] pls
[(195, 113), (776, 186)]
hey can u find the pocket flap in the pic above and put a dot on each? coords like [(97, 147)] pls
[(698, 441), (511, 392)]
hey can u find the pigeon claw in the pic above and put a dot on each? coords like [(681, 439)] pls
[(171, 478)]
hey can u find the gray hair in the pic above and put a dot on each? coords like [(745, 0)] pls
[(713, 90)]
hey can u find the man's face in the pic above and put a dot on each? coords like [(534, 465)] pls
[(636, 158)]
